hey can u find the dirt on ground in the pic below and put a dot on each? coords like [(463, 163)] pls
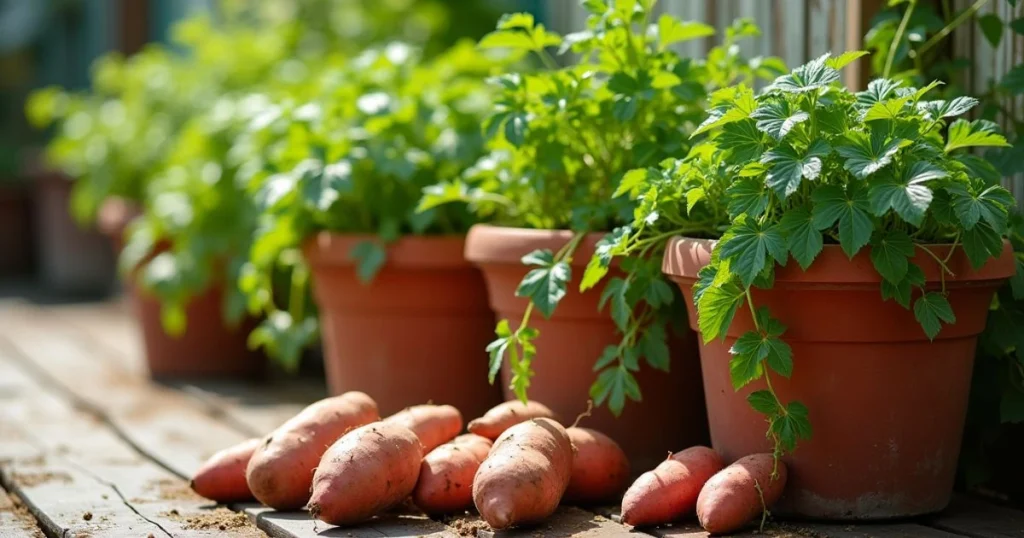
[(216, 519), (173, 490), (31, 480), (20, 515), (465, 525)]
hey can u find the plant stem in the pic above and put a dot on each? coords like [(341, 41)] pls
[(900, 31), (547, 59), (297, 294), (967, 14)]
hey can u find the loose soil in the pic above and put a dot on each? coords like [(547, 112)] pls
[(216, 519), (31, 480)]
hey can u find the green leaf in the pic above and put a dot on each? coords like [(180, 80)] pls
[(947, 109), (981, 242), (607, 247), (716, 309), (964, 134), (763, 402), (845, 59), (633, 181), (803, 238), (992, 205), (658, 293), (850, 209), (931, 309), (511, 21), (743, 139), (789, 167), (515, 129), (908, 195), (890, 109), (1017, 25), (1013, 80), (750, 247), (747, 196), (502, 39), (173, 319), (745, 365), (546, 285), (614, 385), (777, 119), (654, 347), (609, 355), (806, 78), (369, 257), (992, 28), (733, 104), (792, 426), (672, 30), (693, 196), (496, 349), (866, 154), (616, 290), (878, 90), (901, 290), (890, 253)]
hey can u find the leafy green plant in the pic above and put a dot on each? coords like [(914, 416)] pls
[(806, 163), (562, 140), (354, 159)]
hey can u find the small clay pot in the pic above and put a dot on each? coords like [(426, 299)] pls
[(209, 347), (671, 416), (887, 405), (416, 333)]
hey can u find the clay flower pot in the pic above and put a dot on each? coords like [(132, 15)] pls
[(887, 405), (209, 347), (415, 333), (671, 416)]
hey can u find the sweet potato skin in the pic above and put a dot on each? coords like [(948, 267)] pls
[(435, 425), (600, 469), (525, 475), (670, 491), (370, 469), (503, 416), (730, 498), (222, 477), (445, 484), (281, 469)]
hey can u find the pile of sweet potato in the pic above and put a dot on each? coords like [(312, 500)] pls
[(344, 463)]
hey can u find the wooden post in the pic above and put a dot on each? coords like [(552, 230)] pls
[(132, 25), (858, 19)]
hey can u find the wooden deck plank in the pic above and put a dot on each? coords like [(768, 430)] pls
[(978, 519), (65, 437), (15, 519), (566, 522), (292, 524)]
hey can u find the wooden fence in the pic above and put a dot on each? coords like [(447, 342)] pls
[(800, 30)]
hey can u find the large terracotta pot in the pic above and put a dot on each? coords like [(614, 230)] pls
[(671, 416), (209, 347), (887, 405), (415, 333)]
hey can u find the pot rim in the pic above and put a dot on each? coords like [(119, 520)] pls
[(332, 249), (487, 244), (686, 256)]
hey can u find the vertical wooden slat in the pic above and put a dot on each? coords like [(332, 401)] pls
[(133, 25), (818, 14), (858, 18), (789, 28)]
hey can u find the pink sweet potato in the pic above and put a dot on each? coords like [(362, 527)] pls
[(731, 498), (670, 491), (222, 477), (435, 425), (525, 475), (281, 470), (368, 471), (503, 416), (600, 469), (446, 475)]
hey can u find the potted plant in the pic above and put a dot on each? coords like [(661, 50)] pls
[(855, 355), (562, 139), (404, 316)]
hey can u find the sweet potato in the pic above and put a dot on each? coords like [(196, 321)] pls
[(222, 477), (599, 470), (503, 416), (524, 476), (731, 498), (446, 475), (435, 425), (370, 469), (670, 491), (281, 469)]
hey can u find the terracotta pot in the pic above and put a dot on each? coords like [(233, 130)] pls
[(415, 333), (72, 259), (671, 416), (887, 406), (209, 347), (16, 246)]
